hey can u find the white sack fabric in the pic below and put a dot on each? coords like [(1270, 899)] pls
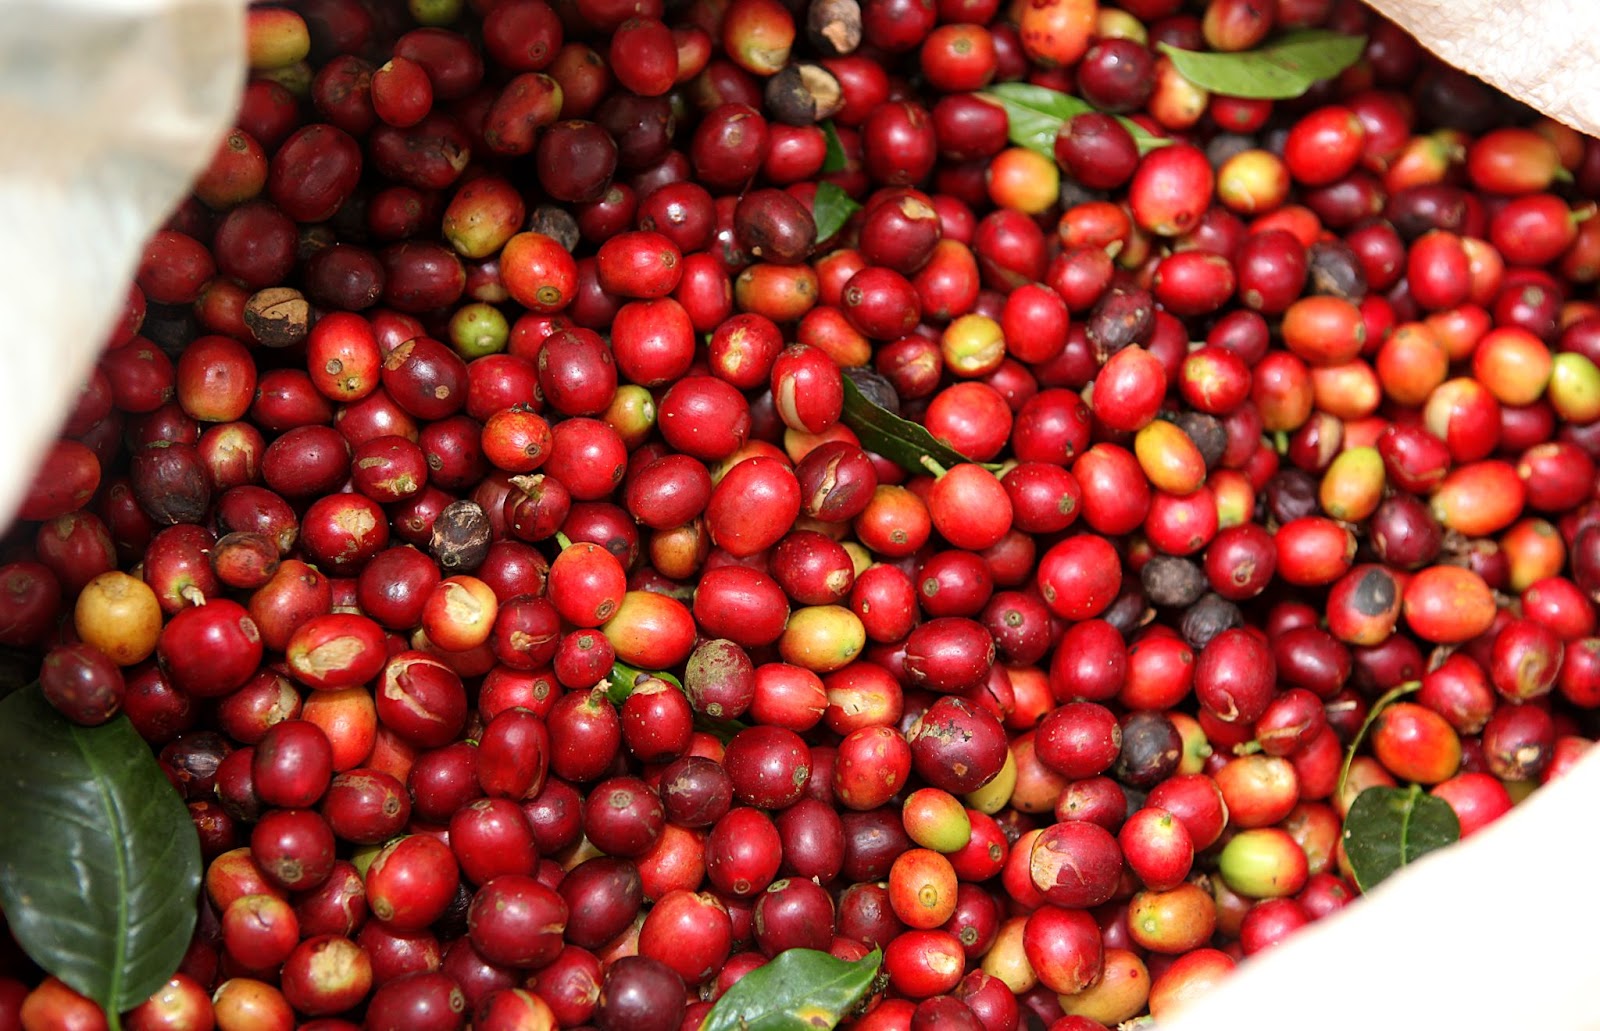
[(108, 109)]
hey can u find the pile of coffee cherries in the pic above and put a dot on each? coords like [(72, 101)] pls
[(466, 507)]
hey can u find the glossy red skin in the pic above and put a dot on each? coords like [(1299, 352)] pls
[(924, 963), (292, 764), (427, 1001), (66, 479), (1079, 577), (411, 881), (294, 847), (1063, 945), (767, 766), (753, 506), (513, 755), (742, 852), (689, 932), (366, 806), (1116, 496), (421, 700), (1077, 740), (1081, 886), (336, 650), (515, 920)]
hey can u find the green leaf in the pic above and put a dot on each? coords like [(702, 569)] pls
[(799, 990), (1034, 115), (833, 159), (1388, 828), (903, 442), (99, 862), (1286, 68), (831, 208)]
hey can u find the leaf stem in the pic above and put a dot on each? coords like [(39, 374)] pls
[(563, 540), (1394, 694)]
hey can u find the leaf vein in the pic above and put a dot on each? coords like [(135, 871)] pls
[(119, 957)]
